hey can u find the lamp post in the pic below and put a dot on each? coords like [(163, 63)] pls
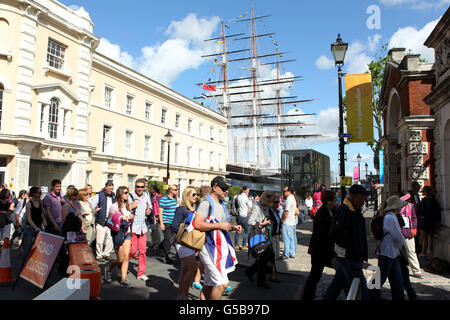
[(168, 138), (358, 158), (367, 169), (339, 50)]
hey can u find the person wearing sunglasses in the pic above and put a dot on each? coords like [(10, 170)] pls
[(141, 208), (167, 207)]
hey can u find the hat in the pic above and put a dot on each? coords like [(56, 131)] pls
[(406, 197), (394, 203), (358, 189), (220, 182)]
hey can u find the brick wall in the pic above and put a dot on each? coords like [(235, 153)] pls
[(418, 90)]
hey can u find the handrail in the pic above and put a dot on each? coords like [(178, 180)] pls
[(354, 291)]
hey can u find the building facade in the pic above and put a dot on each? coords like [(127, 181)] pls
[(408, 122), (439, 102), (304, 170), (70, 113)]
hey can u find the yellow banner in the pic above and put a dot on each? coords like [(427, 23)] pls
[(359, 107), (346, 181)]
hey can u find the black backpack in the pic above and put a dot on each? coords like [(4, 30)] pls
[(258, 241), (376, 227), (236, 204)]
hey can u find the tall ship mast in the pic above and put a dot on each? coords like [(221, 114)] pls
[(253, 99)]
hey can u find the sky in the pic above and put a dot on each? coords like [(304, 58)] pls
[(165, 42)]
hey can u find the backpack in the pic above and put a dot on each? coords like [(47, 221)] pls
[(376, 227), (258, 241), (233, 209), (236, 204)]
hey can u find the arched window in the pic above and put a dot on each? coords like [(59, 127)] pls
[(1, 104), (53, 118)]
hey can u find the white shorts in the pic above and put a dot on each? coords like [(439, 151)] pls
[(212, 276), (184, 252)]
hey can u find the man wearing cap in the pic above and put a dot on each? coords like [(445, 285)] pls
[(348, 232), (216, 281)]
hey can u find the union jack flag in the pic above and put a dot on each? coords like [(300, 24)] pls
[(220, 248)]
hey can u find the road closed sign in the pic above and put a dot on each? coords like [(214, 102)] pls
[(41, 258)]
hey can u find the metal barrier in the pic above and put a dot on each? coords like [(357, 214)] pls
[(354, 293)]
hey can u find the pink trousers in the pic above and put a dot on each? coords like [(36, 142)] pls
[(139, 242)]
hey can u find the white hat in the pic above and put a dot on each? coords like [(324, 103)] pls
[(394, 203)]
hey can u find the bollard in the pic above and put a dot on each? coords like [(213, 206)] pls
[(81, 256)]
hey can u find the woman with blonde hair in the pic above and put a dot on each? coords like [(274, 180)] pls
[(188, 262), (121, 238), (87, 213)]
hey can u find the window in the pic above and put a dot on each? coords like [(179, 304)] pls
[(177, 153), (162, 154), (200, 157), (211, 157), (191, 182), (41, 124), (108, 97), (130, 101), (220, 135), (110, 176), (211, 132), (66, 123), (163, 115), (147, 148), (148, 109), (177, 120), (190, 125), (55, 54), (53, 119), (106, 139), (128, 143), (189, 156), (1, 104), (131, 179), (200, 129), (220, 161)]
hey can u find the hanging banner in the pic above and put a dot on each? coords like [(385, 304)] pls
[(381, 164), (359, 107), (41, 258), (346, 181), (355, 173)]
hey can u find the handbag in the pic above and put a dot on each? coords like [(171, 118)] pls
[(194, 240)]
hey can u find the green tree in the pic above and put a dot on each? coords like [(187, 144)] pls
[(235, 190), (377, 68), (161, 186)]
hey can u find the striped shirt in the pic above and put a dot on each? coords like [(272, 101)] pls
[(169, 206)]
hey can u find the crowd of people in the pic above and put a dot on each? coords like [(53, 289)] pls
[(115, 223)]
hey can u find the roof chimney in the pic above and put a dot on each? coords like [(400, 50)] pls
[(396, 54)]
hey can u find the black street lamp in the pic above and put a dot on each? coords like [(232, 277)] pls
[(339, 50), (168, 138), (367, 169)]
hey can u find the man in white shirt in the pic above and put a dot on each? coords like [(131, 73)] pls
[(244, 207), (289, 224)]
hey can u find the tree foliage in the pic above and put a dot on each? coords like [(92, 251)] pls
[(377, 68), (161, 186)]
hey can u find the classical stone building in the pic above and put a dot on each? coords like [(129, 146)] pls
[(68, 112), (408, 122), (439, 102)]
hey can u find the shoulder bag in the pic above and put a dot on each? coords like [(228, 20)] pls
[(194, 239)]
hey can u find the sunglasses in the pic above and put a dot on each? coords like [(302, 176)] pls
[(194, 194), (126, 192), (174, 189), (140, 187)]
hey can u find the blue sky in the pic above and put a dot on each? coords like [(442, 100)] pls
[(147, 35)]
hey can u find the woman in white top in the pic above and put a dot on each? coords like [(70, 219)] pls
[(123, 251), (87, 213), (19, 212), (391, 244)]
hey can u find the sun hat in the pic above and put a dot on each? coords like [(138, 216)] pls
[(394, 203)]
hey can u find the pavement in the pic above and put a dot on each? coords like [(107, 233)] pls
[(163, 278)]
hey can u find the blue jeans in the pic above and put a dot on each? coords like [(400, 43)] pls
[(28, 237), (391, 269), (243, 221), (346, 271), (290, 240)]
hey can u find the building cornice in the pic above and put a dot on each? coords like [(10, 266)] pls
[(157, 87), (45, 142), (439, 31)]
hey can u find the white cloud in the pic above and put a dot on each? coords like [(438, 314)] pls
[(373, 42), (416, 4), (182, 51), (364, 158), (324, 63), (357, 59), (80, 11), (413, 39)]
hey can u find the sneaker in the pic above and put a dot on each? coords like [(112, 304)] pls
[(418, 276), (197, 285), (237, 248), (245, 248), (126, 284), (228, 289), (143, 278), (108, 275)]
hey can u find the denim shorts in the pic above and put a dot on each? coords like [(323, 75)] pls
[(128, 237)]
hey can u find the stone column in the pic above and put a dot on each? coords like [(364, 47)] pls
[(22, 165)]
